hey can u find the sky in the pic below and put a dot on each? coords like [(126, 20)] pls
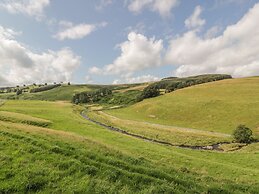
[(126, 41)]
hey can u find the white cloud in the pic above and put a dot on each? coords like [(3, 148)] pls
[(234, 52), (213, 32), (103, 3), (34, 8), (95, 70), (194, 21), (137, 53), (163, 7), (19, 65), (71, 31), (139, 79)]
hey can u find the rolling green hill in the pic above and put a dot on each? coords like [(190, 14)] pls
[(217, 106), (46, 146), (73, 155), (123, 94), (63, 93)]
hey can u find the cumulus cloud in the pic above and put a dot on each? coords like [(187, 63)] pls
[(20, 65), (163, 7), (34, 8), (71, 31), (137, 53), (138, 79), (103, 3), (95, 70), (234, 52), (213, 32), (195, 21)]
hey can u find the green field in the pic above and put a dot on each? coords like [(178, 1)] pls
[(48, 147), (122, 94), (64, 92), (171, 134), (218, 106), (72, 154)]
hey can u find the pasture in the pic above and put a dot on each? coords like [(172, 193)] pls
[(72, 154)]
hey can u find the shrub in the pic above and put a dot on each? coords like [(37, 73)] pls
[(44, 88), (150, 92), (173, 83), (243, 134), (93, 96), (18, 92)]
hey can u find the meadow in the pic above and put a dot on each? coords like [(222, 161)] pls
[(217, 106), (64, 92), (48, 147), (72, 154)]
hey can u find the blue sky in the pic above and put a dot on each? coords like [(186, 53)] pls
[(118, 41)]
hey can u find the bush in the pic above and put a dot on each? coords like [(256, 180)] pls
[(44, 88), (92, 96), (173, 83), (150, 92), (18, 92), (243, 134)]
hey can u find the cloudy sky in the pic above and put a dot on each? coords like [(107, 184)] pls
[(118, 41)]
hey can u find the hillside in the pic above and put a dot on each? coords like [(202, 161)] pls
[(66, 92), (217, 106), (46, 145), (70, 154)]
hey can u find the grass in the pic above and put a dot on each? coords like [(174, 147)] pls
[(173, 135), (64, 92), (123, 98), (74, 155), (219, 107), (123, 94), (21, 118)]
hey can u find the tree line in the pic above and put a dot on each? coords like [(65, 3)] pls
[(44, 88), (172, 83), (91, 96)]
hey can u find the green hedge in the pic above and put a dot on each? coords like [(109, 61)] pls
[(44, 88)]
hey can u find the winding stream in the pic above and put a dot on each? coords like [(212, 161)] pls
[(215, 147)]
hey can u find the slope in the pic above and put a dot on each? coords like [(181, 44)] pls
[(73, 155), (218, 106)]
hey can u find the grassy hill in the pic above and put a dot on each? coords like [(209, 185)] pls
[(122, 94), (70, 154), (64, 92), (46, 146), (217, 106)]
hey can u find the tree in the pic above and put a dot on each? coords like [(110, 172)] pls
[(69, 83), (18, 92), (243, 134), (150, 92)]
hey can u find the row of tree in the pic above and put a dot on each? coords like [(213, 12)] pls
[(92, 96), (24, 88), (44, 88), (172, 83)]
